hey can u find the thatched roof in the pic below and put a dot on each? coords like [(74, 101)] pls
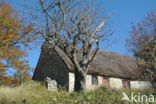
[(108, 64)]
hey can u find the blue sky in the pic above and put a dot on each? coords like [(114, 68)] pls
[(126, 11)]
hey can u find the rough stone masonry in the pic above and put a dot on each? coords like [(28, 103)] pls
[(51, 84)]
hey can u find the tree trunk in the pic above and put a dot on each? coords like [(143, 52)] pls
[(80, 81), (154, 85), (153, 82)]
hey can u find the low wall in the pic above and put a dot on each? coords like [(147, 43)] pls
[(71, 82), (140, 85), (88, 82), (100, 81), (115, 83)]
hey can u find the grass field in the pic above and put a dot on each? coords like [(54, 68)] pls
[(35, 93)]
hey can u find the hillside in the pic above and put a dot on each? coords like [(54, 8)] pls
[(35, 93)]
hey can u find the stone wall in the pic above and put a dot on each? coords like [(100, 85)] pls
[(89, 82), (72, 79), (100, 81), (71, 82), (140, 85), (115, 83), (119, 83), (50, 84), (51, 65), (89, 85)]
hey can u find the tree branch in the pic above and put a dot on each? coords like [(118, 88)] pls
[(102, 24), (97, 49), (45, 11), (61, 7)]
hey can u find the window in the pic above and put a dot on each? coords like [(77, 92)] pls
[(105, 81), (126, 84), (94, 80)]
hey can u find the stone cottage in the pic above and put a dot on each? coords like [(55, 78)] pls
[(107, 69)]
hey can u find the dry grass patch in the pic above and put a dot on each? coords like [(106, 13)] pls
[(35, 93)]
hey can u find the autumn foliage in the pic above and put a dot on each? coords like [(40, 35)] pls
[(142, 43), (15, 37)]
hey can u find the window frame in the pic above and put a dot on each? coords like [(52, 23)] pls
[(126, 84), (94, 80)]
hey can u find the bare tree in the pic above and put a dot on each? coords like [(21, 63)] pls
[(73, 27)]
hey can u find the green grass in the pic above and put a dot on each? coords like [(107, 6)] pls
[(35, 93)]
